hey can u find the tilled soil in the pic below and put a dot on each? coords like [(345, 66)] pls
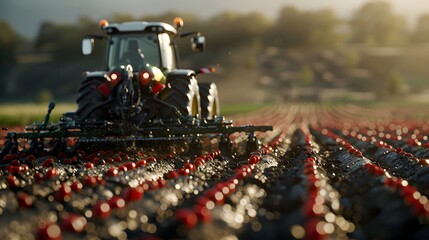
[(324, 173)]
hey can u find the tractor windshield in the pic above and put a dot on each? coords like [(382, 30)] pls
[(134, 49)]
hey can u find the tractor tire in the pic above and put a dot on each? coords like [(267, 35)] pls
[(209, 100), (88, 97), (184, 95)]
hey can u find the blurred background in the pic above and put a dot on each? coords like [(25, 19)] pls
[(264, 51)]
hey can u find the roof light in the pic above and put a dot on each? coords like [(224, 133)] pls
[(178, 22), (103, 23)]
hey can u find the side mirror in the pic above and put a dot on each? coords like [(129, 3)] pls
[(87, 46), (198, 43)]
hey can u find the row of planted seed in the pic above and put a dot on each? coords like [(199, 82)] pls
[(323, 173)]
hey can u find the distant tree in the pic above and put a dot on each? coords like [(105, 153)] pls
[(375, 24), (295, 28), (323, 29), (46, 36), (230, 29), (9, 41), (421, 32), (291, 29), (64, 41)]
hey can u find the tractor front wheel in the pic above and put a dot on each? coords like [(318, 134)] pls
[(209, 100), (184, 95)]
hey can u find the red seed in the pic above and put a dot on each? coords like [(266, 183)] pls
[(213, 154), (161, 182), (150, 159), (15, 162), (145, 186), (90, 181), (116, 202), (190, 166), (246, 168), (76, 186), (96, 161), (199, 161), (186, 217), (38, 177), (203, 213), (48, 163), (63, 193), (311, 230), (14, 170), (24, 168), (153, 185), (132, 194), (254, 159), (52, 172), (89, 165), (25, 200), (172, 174), (215, 195), (31, 158), (112, 172), (101, 210), (49, 231), (122, 168), (424, 162), (141, 163), (183, 171), (74, 223), (240, 174), (130, 165), (203, 201)]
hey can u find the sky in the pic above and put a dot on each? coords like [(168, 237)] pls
[(25, 16)]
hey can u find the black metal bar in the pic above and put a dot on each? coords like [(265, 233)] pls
[(154, 132)]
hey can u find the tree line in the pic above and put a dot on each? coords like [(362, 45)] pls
[(373, 24), (237, 40)]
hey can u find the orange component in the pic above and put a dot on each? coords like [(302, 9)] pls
[(103, 23), (178, 22)]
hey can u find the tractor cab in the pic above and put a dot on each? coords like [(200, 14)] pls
[(141, 43)]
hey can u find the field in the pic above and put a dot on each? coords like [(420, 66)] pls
[(325, 172)]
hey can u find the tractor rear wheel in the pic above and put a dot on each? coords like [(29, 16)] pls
[(209, 100), (89, 97), (184, 95)]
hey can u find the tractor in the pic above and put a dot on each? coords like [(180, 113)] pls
[(142, 81), (140, 96)]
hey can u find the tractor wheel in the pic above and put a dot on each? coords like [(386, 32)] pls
[(209, 100), (184, 95), (88, 97)]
